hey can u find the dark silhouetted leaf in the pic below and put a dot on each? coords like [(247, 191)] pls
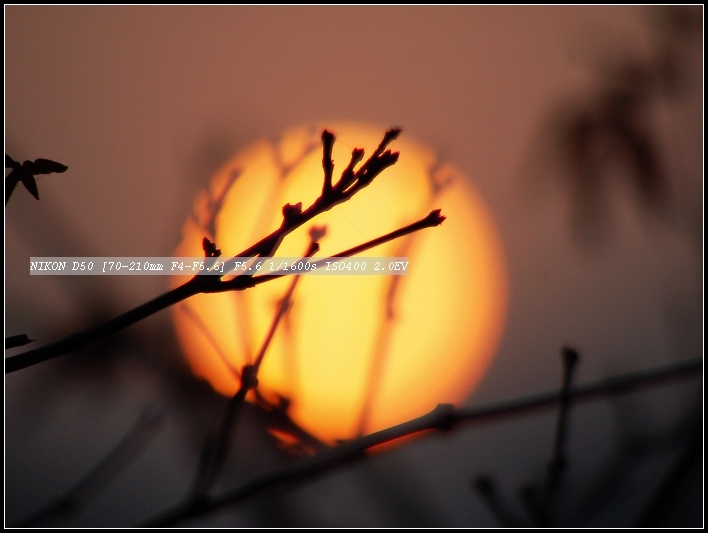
[(26, 172), (30, 184), (11, 181), (47, 166)]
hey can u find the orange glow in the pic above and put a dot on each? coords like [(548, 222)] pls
[(346, 367)]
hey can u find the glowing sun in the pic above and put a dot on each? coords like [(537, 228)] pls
[(354, 354)]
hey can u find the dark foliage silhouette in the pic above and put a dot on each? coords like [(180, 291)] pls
[(26, 173)]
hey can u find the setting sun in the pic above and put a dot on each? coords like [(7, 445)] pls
[(354, 354)]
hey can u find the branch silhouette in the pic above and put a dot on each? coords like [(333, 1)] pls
[(351, 182), (14, 341), (103, 473), (443, 418), (215, 452), (537, 500)]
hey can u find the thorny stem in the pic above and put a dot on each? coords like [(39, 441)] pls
[(444, 417), (293, 217)]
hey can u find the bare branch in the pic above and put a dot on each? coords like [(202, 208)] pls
[(215, 450), (293, 217), (246, 282), (443, 418)]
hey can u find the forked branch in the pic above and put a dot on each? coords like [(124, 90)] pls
[(443, 418), (350, 182)]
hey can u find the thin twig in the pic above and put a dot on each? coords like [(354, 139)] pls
[(570, 359), (557, 463), (382, 344), (487, 489), (349, 184), (215, 450), (196, 285), (433, 219), (115, 462), (84, 338), (14, 341), (275, 417), (380, 356), (444, 417), (666, 493), (204, 329), (530, 501)]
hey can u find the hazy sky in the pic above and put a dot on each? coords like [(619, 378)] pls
[(144, 103)]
